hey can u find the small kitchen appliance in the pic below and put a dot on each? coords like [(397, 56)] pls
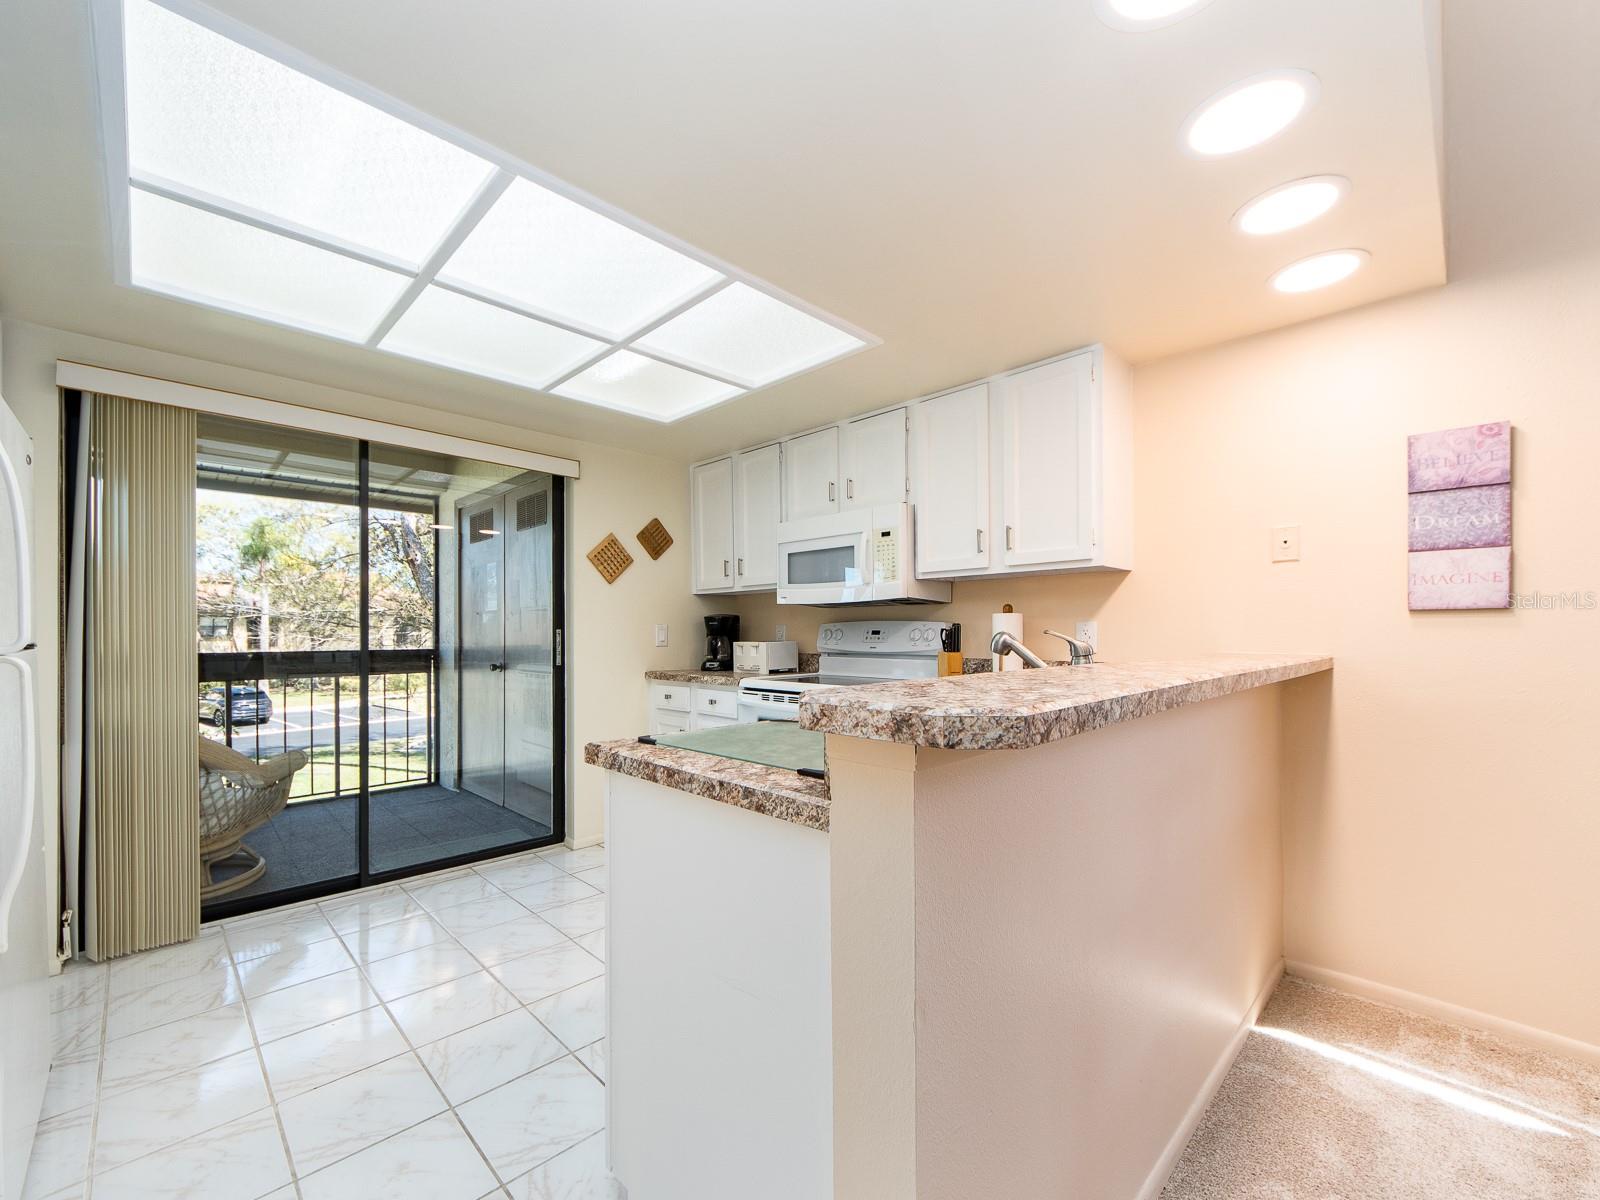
[(766, 658), (722, 630), (852, 653)]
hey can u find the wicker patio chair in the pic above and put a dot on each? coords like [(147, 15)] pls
[(237, 795)]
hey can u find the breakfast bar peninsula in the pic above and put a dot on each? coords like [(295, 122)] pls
[(1007, 947)]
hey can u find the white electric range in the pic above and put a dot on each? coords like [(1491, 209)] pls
[(852, 653)]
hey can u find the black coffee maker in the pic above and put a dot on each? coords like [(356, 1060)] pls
[(722, 631)]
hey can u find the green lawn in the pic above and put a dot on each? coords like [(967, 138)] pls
[(391, 762)]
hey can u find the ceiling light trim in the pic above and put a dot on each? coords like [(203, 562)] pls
[(466, 221), (627, 342), (156, 185)]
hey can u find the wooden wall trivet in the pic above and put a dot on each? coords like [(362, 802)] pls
[(654, 538), (610, 558)]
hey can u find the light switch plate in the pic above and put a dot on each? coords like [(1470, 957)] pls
[(1088, 631), (661, 635), (783, 634), (1286, 543)]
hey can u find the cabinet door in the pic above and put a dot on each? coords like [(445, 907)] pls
[(811, 475), (1047, 457), (872, 460), (711, 496), (757, 500), (950, 456)]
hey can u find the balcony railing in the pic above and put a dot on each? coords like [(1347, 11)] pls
[(315, 706)]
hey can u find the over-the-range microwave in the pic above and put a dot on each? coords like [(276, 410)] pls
[(865, 556)]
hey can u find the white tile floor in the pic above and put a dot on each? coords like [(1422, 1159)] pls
[(439, 1039)]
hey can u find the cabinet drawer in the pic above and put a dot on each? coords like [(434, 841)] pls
[(674, 696), (668, 721), (706, 721), (717, 702)]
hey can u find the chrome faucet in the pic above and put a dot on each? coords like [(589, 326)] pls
[(1082, 652), (1004, 644)]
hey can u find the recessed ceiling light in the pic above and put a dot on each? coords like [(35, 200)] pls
[(1291, 205), (1139, 15), (1319, 271), (1249, 112), (244, 177)]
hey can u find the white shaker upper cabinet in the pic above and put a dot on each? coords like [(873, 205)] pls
[(872, 459), (711, 502), (811, 475), (757, 501), (950, 478), (1048, 464)]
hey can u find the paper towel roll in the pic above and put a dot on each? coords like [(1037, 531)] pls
[(1007, 622)]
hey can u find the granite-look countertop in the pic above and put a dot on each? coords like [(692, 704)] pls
[(772, 791), (697, 678), (1011, 710)]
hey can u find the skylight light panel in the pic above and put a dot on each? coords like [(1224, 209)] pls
[(455, 331), (197, 256), (215, 117), (553, 256), (636, 384), (744, 334)]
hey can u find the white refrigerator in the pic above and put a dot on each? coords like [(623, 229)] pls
[(26, 928)]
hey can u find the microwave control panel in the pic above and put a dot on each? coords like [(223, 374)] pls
[(885, 556)]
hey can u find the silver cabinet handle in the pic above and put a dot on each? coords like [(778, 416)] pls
[(849, 489), (724, 568), (741, 566), (980, 541), (830, 491), (1008, 537), (666, 695), (711, 701)]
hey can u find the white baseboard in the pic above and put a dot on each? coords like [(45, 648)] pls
[(1427, 1006), (1157, 1178)]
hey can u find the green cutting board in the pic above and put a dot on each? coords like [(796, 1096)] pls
[(776, 743)]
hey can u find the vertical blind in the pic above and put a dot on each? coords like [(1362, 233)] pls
[(141, 678)]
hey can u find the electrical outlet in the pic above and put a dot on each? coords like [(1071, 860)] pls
[(661, 635), (783, 634), (1088, 631), (1286, 543)]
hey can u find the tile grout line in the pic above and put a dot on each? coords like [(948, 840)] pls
[(266, 1078), (316, 906)]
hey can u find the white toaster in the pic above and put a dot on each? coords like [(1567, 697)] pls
[(766, 658)]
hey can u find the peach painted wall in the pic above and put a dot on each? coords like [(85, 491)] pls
[(1443, 837), (1096, 920)]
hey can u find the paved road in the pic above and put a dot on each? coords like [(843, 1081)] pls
[(301, 729)]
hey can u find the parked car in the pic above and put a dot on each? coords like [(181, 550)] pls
[(250, 706)]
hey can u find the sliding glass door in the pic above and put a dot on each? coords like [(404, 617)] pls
[(351, 611)]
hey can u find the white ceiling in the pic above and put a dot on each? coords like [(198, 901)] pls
[(979, 185)]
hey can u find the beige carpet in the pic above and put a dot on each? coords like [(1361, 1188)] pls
[(1336, 1098)]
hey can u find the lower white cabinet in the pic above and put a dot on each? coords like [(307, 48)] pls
[(678, 707)]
